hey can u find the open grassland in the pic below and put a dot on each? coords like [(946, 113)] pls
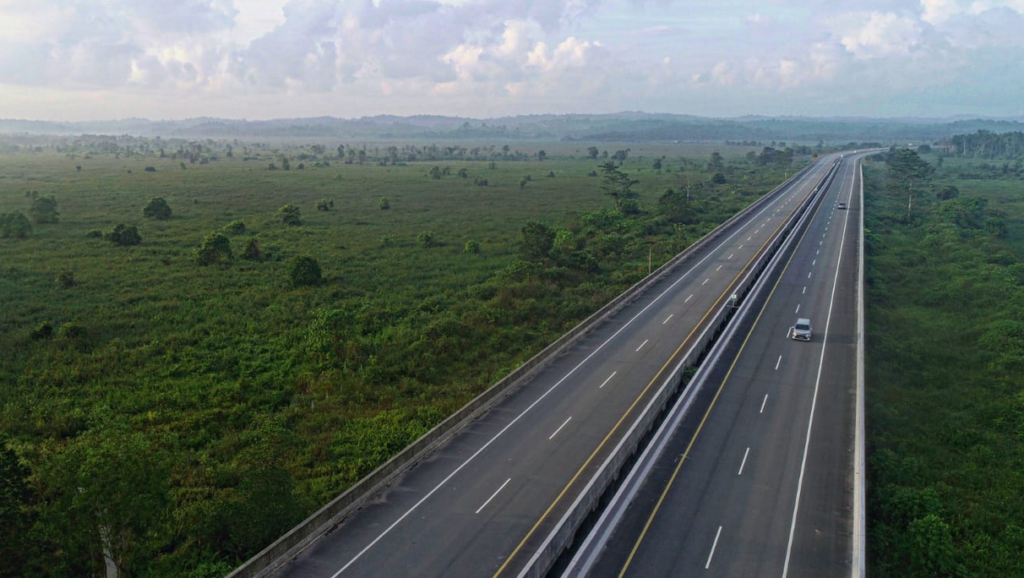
[(200, 411), (945, 360)]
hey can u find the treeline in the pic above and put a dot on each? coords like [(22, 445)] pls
[(986, 145)]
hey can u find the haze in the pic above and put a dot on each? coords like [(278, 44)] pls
[(102, 59)]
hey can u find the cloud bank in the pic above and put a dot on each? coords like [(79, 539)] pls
[(273, 58)]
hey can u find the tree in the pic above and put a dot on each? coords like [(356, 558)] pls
[(251, 250), (537, 240), (541, 155), (290, 215), (106, 499), (286, 164), (385, 204), (592, 152), (716, 165), (15, 225), (463, 173), (157, 208), (235, 227), (305, 271), (216, 246), (618, 185), (657, 164), (44, 210), (123, 235), (718, 179), (435, 173), (15, 521)]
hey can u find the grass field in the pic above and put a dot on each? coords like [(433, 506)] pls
[(259, 400), (945, 360)]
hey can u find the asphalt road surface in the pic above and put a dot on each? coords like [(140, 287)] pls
[(759, 480), (479, 504)]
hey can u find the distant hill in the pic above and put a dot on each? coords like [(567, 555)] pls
[(621, 127)]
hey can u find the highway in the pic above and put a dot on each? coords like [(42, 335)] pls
[(759, 478), (478, 505)]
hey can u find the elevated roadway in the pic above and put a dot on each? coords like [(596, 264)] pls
[(759, 479), (479, 505)]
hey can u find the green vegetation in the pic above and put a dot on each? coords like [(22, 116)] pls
[(123, 235), (157, 208), (305, 271), (14, 224), (216, 247), (214, 407), (44, 209), (945, 355)]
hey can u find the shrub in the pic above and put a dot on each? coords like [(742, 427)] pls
[(290, 215), (150, 169), (472, 246), (42, 331), (95, 234), (215, 247), (426, 239), (66, 278), (44, 210), (72, 331), (251, 250), (123, 235), (386, 241), (234, 228), (384, 204), (305, 271), (157, 208), (324, 205), (15, 225)]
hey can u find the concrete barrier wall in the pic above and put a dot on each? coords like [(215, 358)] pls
[(299, 537), (565, 532)]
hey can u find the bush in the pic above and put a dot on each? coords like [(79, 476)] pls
[(42, 331), (324, 205), (426, 239), (386, 241), (251, 250), (472, 246), (215, 247), (72, 331), (150, 169), (384, 204), (66, 278), (123, 235), (234, 228), (305, 271), (15, 225), (95, 234), (44, 210), (290, 215), (157, 208)]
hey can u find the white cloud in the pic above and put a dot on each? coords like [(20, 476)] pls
[(882, 35)]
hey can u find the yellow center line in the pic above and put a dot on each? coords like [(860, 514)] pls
[(696, 433), (547, 512)]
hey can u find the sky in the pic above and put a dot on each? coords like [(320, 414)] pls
[(259, 59)]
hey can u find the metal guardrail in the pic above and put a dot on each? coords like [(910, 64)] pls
[(323, 520)]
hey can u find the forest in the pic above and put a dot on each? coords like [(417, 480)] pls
[(206, 340), (945, 356)]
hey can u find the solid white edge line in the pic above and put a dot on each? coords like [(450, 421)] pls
[(545, 394), (744, 462), (552, 436), (713, 546), (493, 495), (814, 402)]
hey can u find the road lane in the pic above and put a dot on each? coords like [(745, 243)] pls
[(787, 511), (431, 523)]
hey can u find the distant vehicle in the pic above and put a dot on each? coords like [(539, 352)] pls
[(841, 206), (801, 330)]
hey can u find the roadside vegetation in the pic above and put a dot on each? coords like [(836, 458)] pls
[(203, 342), (945, 360)]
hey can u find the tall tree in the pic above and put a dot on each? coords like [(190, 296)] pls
[(619, 186)]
